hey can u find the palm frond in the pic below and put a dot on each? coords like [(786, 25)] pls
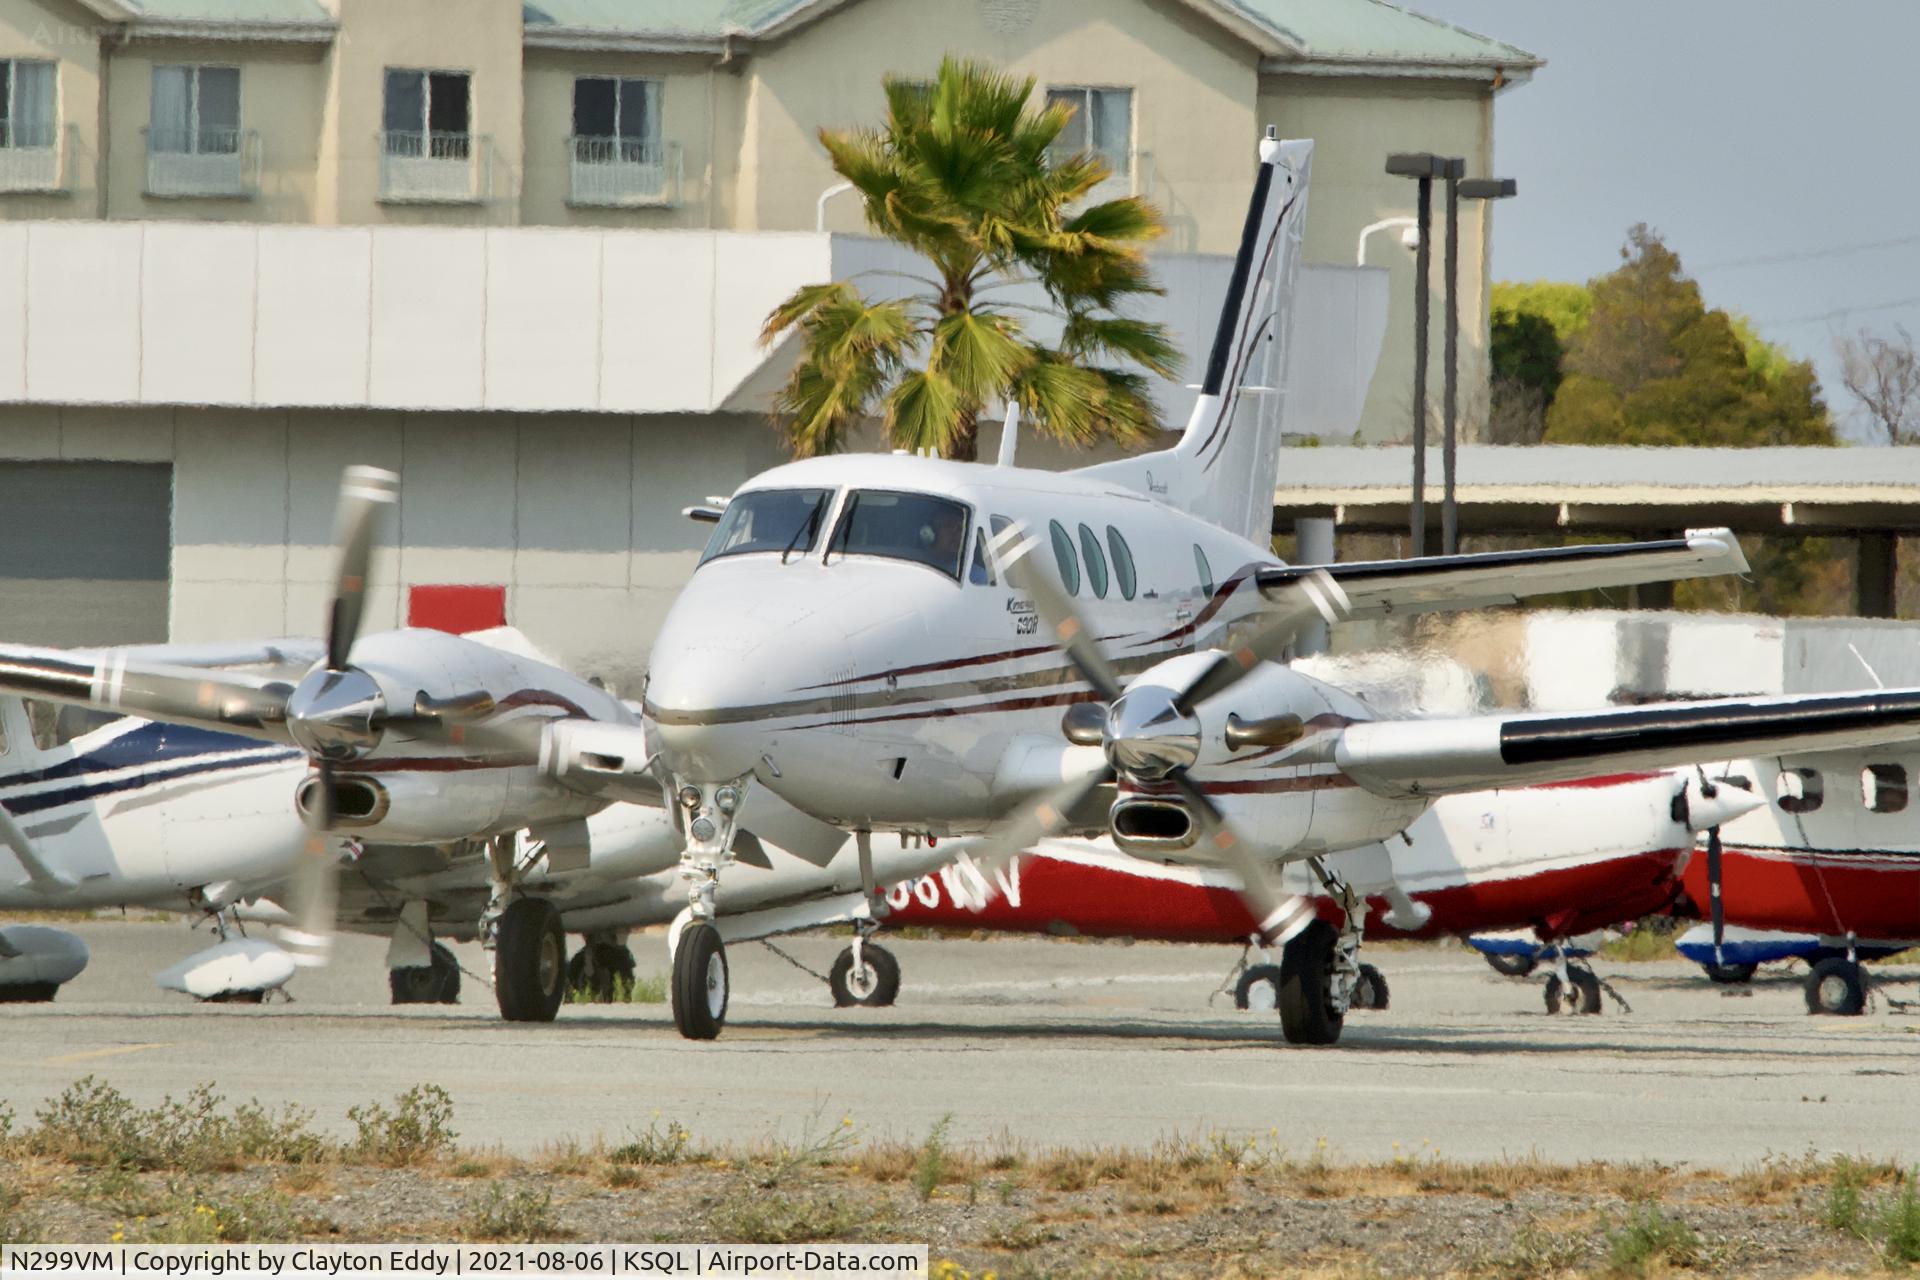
[(1144, 342), (979, 351), (923, 412)]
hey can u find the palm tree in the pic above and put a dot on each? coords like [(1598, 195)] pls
[(966, 173)]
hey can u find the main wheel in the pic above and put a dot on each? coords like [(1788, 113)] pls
[(1583, 998), (1730, 974), (874, 984), (530, 961), (1370, 992), (1513, 966), (437, 982), (1258, 988), (1836, 987), (1306, 987), (700, 983), (600, 971), (28, 992)]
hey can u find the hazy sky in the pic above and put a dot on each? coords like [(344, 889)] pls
[(1766, 139)]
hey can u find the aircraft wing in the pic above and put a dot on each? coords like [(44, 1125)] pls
[(253, 706), (1471, 753), (1376, 588)]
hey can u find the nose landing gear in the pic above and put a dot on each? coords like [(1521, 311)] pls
[(709, 815)]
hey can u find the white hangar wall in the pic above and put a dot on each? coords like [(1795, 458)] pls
[(550, 398)]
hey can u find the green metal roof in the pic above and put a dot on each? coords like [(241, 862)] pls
[(302, 12), (1357, 31), (1376, 31)]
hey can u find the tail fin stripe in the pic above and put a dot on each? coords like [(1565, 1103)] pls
[(1223, 417), (1237, 285)]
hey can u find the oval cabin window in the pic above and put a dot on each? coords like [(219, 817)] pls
[(1800, 790), (1065, 557)]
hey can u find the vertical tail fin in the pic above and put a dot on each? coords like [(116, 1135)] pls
[(1224, 468)]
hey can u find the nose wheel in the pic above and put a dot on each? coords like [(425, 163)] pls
[(865, 974), (700, 982)]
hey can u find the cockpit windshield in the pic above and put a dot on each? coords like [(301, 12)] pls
[(902, 526), (779, 520)]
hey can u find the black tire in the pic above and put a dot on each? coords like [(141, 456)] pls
[(434, 983), (1731, 975), (1258, 988), (1306, 983), (700, 983), (1837, 988), (613, 967), (1370, 991), (1584, 998), (1511, 966), (237, 997), (28, 992), (530, 961), (875, 989)]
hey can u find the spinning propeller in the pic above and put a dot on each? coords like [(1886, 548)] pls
[(1706, 803), (1151, 735)]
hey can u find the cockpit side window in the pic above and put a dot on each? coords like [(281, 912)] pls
[(980, 574), (773, 520), (1801, 790), (1205, 570), (916, 527), (54, 725)]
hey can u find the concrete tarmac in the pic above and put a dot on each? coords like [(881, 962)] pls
[(1046, 1042)]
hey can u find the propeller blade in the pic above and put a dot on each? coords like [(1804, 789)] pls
[(224, 700), (1045, 817), (1013, 553), (365, 495), (1278, 918), (312, 896), (1717, 908), (1314, 598)]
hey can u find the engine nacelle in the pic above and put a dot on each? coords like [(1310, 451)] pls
[(409, 806), (44, 959), (236, 967)]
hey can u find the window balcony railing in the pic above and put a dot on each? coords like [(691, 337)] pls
[(618, 172), (435, 168), (35, 159), (205, 163)]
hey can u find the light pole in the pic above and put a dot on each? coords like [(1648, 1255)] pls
[(1410, 236), (1457, 190), (1424, 167)]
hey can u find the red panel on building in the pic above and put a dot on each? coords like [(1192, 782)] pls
[(457, 609)]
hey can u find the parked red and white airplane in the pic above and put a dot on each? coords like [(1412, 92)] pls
[(1557, 861), (1831, 852), (864, 638)]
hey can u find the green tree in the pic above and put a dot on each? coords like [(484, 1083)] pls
[(1655, 366), (966, 173)]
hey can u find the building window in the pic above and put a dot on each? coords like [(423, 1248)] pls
[(1883, 788), (428, 114), (1800, 790), (618, 155), (196, 110), (1102, 123), (26, 104), (616, 121)]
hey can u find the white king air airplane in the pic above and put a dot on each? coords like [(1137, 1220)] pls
[(904, 644)]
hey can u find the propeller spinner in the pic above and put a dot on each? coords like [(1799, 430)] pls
[(1151, 734)]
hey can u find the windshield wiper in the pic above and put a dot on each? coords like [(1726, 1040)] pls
[(811, 527)]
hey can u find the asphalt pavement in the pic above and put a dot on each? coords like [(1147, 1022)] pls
[(1049, 1042)]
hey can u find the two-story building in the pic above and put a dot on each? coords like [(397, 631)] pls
[(477, 231)]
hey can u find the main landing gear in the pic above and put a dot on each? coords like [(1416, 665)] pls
[(1837, 987), (1573, 987), (1319, 978), (529, 946), (602, 971), (420, 970)]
